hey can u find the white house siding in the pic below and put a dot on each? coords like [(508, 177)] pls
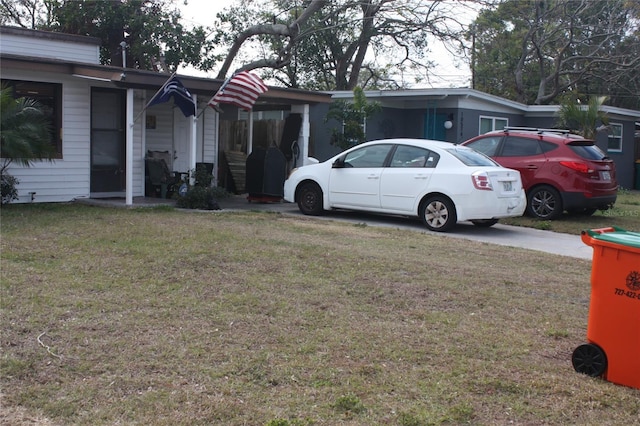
[(160, 138), (66, 178), (138, 146), (54, 47), (208, 136)]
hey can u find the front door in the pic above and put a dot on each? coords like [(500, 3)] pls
[(107, 142), (434, 126)]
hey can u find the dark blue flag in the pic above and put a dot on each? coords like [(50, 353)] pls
[(181, 96)]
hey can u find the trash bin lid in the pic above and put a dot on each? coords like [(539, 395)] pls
[(618, 236)]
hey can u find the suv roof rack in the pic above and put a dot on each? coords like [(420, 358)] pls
[(534, 129)]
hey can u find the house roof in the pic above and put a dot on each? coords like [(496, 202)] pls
[(133, 78), (465, 98), (48, 35)]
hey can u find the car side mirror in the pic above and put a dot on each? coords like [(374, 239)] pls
[(338, 164)]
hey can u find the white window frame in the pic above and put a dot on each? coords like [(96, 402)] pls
[(615, 137), (493, 123)]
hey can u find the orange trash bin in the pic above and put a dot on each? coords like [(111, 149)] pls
[(613, 329)]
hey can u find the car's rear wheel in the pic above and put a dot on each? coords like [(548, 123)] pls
[(544, 202), (438, 213), (310, 199), (484, 223)]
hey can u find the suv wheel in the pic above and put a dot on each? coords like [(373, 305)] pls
[(544, 202)]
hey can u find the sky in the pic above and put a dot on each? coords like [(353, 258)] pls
[(203, 12)]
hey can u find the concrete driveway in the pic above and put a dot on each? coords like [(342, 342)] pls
[(504, 235)]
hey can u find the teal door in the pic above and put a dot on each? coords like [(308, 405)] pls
[(434, 126)]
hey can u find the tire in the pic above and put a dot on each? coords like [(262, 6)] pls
[(438, 213), (589, 359), (309, 197), (484, 223), (544, 202)]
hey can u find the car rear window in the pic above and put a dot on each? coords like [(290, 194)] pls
[(587, 151), (471, 157)]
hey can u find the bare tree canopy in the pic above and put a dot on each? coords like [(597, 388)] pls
[(340, 44), (537, 51)]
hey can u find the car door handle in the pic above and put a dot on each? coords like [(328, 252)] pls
[(421, 176), (373, 177), (532, 167)]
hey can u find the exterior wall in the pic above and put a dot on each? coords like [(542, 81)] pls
[(207, 137), (50, 45), (69, 177), (159, 138), (403, 115), (625, 161), (66, 178), (320, 133), (139, 151)]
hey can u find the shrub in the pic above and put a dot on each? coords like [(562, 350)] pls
[(198, 197), (8, 188)]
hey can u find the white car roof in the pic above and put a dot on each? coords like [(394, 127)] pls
[(424, 143)]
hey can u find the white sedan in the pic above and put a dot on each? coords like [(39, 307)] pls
[(440, 182)]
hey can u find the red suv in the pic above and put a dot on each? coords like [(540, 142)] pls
[(560, 171)]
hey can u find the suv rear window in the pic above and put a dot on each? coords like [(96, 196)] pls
[(520, 147), (587, 151), (471, 157)]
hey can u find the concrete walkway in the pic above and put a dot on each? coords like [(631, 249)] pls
[(504, 235)]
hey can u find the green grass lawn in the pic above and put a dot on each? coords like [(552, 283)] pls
[(625, 214), (158, 316)]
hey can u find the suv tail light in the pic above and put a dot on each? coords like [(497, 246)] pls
[(577, 166), (481, 181)]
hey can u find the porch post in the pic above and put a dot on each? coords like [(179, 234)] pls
[(250, 130), (193, 142), (303, 137), (129, 150)]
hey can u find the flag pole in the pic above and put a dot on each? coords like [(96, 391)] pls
[(155, 94)]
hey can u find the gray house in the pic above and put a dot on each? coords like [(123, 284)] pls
[(455, 115)]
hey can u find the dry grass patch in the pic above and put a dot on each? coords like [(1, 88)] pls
[(162, 317)]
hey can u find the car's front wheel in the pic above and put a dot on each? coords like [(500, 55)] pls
[(544, 202), (438, 213), (310, 199)]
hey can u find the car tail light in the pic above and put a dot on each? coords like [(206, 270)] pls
[(481, 181), (577, 166)]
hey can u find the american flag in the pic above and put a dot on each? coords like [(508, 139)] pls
[(241, 90)]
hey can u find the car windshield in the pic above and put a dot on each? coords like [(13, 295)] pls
[(471, 157), (588, 151)]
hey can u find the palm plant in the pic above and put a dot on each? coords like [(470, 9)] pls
[(583, 119), (25, 137)]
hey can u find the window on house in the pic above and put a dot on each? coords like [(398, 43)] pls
[(488, 124), (49, 95), (615, 138)]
